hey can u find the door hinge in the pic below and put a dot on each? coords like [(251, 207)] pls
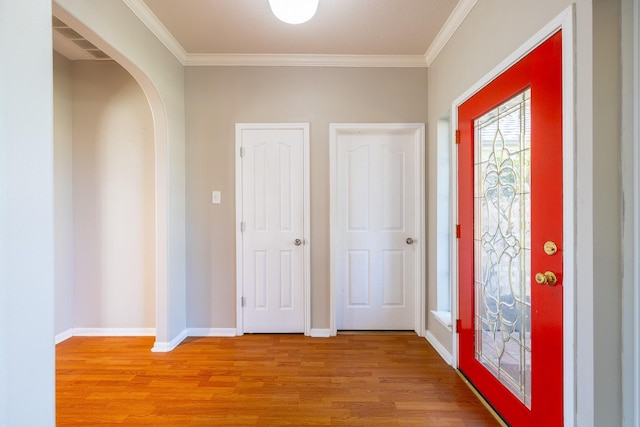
[(457, 231), (243, 226), (458, 326), (241, 151), (243, 301), (457, 136)]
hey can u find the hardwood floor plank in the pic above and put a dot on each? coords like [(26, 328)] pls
[(262, 380)]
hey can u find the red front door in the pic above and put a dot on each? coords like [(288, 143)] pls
[(510, 246)]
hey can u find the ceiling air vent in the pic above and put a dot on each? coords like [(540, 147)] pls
[(72, 35)]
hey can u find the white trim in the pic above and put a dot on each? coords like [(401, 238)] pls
[(211, 332), (63, 336), (238, 226), (564, 21), (144, 332), (164, 347), (307, 229), (333, 227), (302, 60), (421, 211), (636, 216), (320, 333), (114, 332), (444, 318), (306, 221), (419, 129), (449, 28), (151, 21), (437, 346), (569, 215)]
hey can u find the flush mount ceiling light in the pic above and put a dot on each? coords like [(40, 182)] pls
[(294, 11)]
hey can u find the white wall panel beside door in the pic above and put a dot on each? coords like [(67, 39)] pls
[(272, 205), (377, 227)]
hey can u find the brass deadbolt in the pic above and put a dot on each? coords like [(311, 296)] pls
[(550, 248)]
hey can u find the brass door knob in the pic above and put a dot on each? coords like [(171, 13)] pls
[(547, 278)]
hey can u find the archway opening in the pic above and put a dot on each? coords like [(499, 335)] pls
[(106, 139)]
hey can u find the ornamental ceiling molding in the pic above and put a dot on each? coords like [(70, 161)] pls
[(148, 18)]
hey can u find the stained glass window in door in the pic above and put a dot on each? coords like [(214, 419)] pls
[(502, 243)]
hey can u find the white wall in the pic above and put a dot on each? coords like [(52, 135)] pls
[(63, 202), (631, 210), (113, 27), (27, 383), (599, 207), (113, 199), (219, 97)]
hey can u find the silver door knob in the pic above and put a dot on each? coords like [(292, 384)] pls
[(410, 241), (297, 242)]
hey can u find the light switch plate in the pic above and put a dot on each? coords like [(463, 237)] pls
[(215, 197)]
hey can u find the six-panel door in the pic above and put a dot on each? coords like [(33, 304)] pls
[(273, 235), (376, 185)]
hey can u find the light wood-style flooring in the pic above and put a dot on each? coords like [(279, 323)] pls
[(262, 380)]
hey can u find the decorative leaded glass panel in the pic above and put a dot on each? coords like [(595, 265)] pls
[(502, 243)]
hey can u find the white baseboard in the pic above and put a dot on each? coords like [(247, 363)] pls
[(62, 336), (164, 346), (114, 332), (212, 332), (320, 333), (442, 351)]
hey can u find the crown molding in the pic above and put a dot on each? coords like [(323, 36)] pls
[(458, 15), (142, 11), (151, 21), (270, 60)]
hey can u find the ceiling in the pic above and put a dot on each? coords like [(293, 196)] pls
[(343, 32)]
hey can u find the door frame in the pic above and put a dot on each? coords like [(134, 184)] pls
[(336, 129), (564, 22), (631, 311), (304, 127)]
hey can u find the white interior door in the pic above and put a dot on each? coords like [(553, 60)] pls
[(272, 233), (376, 229)]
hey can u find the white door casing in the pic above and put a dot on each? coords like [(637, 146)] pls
[(634, 338), (377, 227), (272, 247)]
